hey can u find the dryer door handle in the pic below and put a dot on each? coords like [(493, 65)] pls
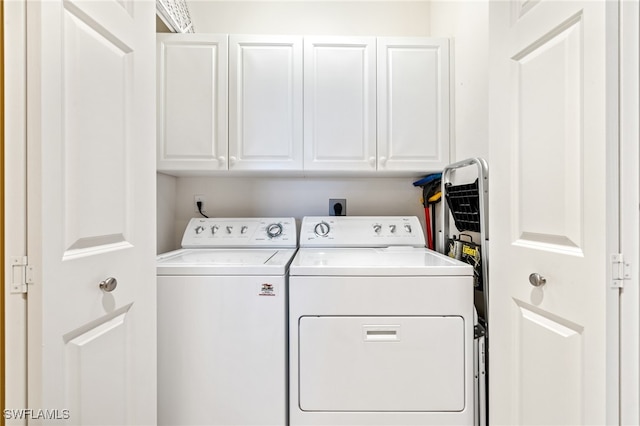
[(381, 333)]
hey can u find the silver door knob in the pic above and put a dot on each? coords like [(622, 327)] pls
[(537, 280), (109, 284)]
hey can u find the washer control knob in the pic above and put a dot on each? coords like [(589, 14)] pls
[(244, 228), (392, 228), (229, 229), (407, 228), (274, 230), (322, 229), (377, 228), (214, 229), (199, 229)]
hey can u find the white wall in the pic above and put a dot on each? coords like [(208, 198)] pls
[(297, 197), (328, 17), (466, 22), (166, 212)]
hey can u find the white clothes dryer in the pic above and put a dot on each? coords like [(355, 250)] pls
[(380, 327), (222, 321)]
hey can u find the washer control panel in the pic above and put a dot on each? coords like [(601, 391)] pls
[(240, 232), (361, 231)]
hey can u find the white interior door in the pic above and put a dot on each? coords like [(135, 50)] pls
[(548, 118), (91, 215)]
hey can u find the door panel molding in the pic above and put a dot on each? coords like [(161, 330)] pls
[(96, 139), (548, 120)]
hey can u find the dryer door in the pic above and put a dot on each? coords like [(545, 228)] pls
[(381, 363)]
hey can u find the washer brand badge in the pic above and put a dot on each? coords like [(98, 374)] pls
[(267, 290)]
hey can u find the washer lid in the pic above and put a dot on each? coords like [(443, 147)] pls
[(391, 261), (225, 262)]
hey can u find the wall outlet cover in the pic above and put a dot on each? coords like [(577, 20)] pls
[(337, 207)]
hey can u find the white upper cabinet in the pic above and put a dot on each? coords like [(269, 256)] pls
[(192, 102), (239, 103), (265, 103), (340, 103), (413, 104)]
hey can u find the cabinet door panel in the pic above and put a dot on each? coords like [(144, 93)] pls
[(265, 103), (339, 103), (192, 102), (413, 104)]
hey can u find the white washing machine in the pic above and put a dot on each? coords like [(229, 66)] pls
[(222, 323), (380, 328)]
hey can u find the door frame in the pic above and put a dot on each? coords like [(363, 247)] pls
[(14, 208), (2, 242), (629, 199)]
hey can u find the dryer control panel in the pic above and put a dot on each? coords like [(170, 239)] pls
[(240, 232), (361, 231)]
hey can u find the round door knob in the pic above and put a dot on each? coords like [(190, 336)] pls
[(109, 284), (537, 280)]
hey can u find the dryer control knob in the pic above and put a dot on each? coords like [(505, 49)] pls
[(407, 228), (322, 229), (274, 230), (199, 229), (377, 228)]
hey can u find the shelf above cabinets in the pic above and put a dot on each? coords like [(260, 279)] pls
[(306, 105)]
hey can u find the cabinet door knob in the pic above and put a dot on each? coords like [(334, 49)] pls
[(372, 162), (232, 160), (222, 160), (383, 161)]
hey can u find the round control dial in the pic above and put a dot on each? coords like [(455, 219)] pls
[(322, 229), (274, 230)]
